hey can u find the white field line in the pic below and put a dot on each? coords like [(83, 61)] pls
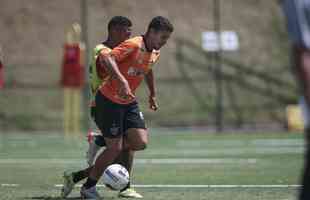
[(137, 161), (235, 143), (180, 186), (226, 151), (9, 185), (203, 186), (197, 161)]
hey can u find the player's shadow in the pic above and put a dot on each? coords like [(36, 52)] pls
[(56, 198), (51, 198)]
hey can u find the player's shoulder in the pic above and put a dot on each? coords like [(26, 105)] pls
[(135, 42), (101, 48)]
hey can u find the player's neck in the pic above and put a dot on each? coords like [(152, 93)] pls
[(147, 43), (111, 43)]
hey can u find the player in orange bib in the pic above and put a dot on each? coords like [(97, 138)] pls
[(117, 112), (134, 61), (119, 30)]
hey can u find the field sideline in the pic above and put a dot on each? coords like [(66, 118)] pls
[(176, 165)]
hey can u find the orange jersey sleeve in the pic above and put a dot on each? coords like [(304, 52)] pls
[(124, 50)]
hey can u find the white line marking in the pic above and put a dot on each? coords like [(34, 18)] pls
[(227, 151), (203, 186), (235, 143), (197, 161), (137, 161), (181, 186), (9, 185)]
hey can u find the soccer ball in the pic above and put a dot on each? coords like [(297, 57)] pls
[(116, 177)]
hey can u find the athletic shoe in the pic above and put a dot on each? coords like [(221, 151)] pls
[(68, 184), (90, 193), (93, 148), (130, 193)]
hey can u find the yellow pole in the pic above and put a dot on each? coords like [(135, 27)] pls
[(72, 96), (67, 111), (76, 110)]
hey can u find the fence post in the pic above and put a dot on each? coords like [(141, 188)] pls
[(218, 67), (84, 25)]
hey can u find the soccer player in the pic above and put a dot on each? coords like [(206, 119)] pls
[(298, 23), (119, 29), (117, 111)]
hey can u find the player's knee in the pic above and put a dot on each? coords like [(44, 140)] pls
[(139, 146), (116, 149)]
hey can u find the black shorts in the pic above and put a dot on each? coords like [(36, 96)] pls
[(114, 119)]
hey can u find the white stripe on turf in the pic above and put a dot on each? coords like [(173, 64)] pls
[(203, 186), (197, 161), (138, 161), (9, 185), (182, 186), (235, 143), (226, 151)]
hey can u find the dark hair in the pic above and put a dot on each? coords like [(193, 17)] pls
[(160, 23), (119, 21)]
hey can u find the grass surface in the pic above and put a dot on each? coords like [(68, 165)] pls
[(35, 162)]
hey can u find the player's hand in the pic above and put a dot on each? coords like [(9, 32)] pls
[(153, 103), (125, 91)]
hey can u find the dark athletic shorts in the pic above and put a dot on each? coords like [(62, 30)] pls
[(114, 119)]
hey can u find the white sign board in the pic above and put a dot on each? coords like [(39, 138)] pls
[(228, 40)]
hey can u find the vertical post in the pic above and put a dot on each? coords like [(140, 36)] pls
[(84, 25), (218, 67)]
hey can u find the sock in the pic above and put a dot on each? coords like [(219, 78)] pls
[(127, 186), (99, 140), (90, 183), (77, 176)]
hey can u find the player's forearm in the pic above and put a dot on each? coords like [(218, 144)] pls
[(149, 78), (112, 68)]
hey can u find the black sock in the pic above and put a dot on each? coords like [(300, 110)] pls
[(77, 176), (127, 186), (90, 183)]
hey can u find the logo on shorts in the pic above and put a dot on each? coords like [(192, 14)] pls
[(132, 71), (114, 130), (141, 115)]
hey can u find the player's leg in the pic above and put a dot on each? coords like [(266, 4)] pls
[(109, 118), (71, 178), (136, 138), (96, 142), (136, 131), (126, 159), (109, 154)]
